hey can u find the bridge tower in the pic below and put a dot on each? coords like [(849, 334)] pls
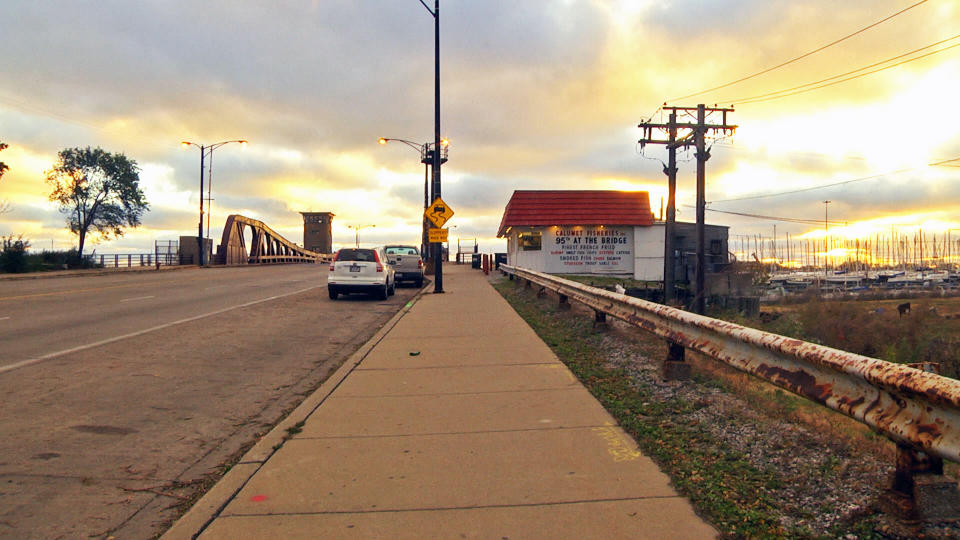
[(318, 231)]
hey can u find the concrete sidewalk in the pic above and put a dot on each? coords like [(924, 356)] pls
[(456, 420)]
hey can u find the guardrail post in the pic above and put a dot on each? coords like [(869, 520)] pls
[(675, 367), (599, 320), (920, 491), (564, 303)]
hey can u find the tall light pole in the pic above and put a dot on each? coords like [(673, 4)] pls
[(826, 240), (357, 229), (426, 157), (438, 247), (205, 150)]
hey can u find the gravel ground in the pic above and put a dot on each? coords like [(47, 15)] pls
[(822, 485), (829, 481)]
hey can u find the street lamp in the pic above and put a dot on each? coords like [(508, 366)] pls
[(426, 157), (204, 152), (438, 247), (357, 228)]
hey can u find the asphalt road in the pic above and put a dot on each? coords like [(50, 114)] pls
[(42, 318), (124, 394)]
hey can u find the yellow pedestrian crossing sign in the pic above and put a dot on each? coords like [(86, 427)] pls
[(438, 213)]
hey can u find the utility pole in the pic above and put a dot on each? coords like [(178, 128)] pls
[(826, 238), (695, 135), (669, 271), (438, 247)]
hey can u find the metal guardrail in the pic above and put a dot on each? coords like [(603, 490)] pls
[(131, 260), (283, 259), (910, 406)]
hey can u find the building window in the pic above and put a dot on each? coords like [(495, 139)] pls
[(530, 241)]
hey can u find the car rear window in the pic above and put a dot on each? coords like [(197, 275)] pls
[(364, 255), (401, 251)]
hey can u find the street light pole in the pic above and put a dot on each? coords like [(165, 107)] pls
[(438, 247), (356, 229), (438, 251), (200, 246), (204, 151)]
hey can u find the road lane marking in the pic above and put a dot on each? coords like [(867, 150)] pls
[(137, 298), (4, 318), (50, 356), (94, 289)]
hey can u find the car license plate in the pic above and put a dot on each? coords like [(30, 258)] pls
[(355, 268)]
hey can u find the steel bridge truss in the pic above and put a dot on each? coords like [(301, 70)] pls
[(266, 246)]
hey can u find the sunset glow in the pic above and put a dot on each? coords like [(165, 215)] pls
[(554, 106)]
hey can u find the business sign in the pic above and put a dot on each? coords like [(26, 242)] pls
[(437, 235), (438, 213), (588, 250)]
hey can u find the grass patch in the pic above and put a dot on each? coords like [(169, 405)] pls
[(725, 488)]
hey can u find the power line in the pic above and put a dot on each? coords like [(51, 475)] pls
[(747, 100), (774, 218), (764, 196), (759, 98), (802, 56)]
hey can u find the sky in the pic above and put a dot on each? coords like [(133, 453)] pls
[(534, 95)]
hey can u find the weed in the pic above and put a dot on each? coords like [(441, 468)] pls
[(294, 429), (721, 484)]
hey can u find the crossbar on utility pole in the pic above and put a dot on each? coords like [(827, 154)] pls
[(696, 135)]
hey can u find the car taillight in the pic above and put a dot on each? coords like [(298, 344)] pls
[(334, 260), (376, 256), (419, 263)]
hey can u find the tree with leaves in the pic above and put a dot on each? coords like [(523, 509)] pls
[(97, 191), (4, 204)]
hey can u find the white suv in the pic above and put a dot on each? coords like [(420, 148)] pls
[(361, 270)]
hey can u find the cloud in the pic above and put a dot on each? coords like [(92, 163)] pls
[(536, 95)]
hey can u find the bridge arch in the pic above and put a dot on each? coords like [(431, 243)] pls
[(266, 245)]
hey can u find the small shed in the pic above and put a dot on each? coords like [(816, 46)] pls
[(589, 232)]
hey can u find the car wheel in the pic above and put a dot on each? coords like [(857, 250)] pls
[(393, 289), (383, 293), (333, 293), (419, 282)]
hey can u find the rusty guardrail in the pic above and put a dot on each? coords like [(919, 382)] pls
[(918, 410), (908, 405)]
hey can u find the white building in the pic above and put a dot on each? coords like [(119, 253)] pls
[(598, 232)]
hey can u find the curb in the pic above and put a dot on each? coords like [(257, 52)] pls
[(205, 510)]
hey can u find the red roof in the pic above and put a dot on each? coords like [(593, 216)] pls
[(577, 207)]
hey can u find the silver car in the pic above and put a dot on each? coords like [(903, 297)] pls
[(361, 270)]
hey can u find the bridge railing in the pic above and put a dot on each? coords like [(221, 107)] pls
[(918, 410), (131, 260)]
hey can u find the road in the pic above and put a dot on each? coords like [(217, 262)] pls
[(124, 394), (43, 317)]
